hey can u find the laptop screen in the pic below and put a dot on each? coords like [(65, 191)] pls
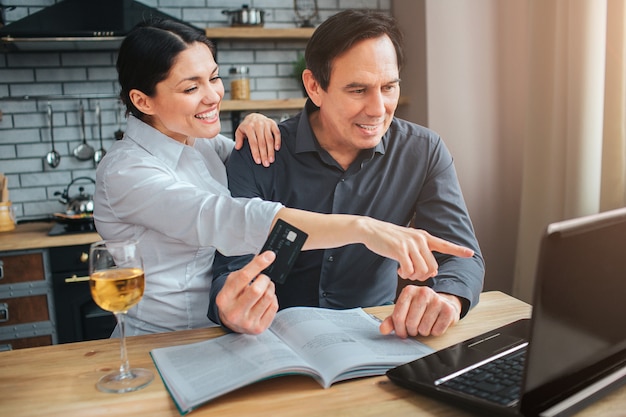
[(579, 305)]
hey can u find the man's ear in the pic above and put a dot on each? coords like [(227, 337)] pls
[(312, 87), (141, 101)]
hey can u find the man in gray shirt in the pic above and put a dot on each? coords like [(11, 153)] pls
[(347, 153)]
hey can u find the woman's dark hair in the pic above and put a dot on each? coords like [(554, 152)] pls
[(148, 53), (340, 32)]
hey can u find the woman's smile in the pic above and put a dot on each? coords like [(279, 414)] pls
[(210, 115)]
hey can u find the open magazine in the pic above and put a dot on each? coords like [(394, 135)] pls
[(328, 345)]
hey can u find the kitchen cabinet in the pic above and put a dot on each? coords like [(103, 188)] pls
[(31, 265), (78, 317), (26, 306)]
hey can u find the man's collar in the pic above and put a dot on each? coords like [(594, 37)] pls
[(305, 138)]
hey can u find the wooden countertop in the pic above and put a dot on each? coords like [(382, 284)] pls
[(35, 236), (60, 380)]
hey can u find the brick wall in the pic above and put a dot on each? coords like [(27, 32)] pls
[(29, 79)]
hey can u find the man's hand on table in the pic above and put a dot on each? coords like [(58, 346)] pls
[(421, 311)]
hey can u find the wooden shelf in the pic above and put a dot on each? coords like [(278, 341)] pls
[(246, 32), (278, 104)]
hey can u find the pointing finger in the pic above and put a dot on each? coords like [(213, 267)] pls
[(443, 246)]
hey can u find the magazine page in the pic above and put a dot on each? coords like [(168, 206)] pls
[(198, 372), (328, 345), (343, 344)]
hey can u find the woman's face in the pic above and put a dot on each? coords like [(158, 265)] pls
[(186, 104)]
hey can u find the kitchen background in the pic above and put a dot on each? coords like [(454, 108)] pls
[(467, 77), (31, 80)]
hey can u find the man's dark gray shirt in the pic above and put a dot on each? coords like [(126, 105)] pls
[(408, 176)]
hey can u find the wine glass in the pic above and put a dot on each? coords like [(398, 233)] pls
[(116, 280)]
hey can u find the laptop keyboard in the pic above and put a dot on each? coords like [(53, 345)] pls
[(498, 381)]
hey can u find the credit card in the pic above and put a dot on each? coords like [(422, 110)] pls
[(286, 242)]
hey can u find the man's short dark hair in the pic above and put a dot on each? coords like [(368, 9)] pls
[(340, 32)]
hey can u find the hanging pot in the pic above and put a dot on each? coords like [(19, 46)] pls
[(245, 16)]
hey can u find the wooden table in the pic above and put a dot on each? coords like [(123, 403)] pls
[(60, 380)]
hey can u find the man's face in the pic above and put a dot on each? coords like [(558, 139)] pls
[(361, 98)]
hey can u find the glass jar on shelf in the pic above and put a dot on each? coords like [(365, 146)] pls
[(239, 83)]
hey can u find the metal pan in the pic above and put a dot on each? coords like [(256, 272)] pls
[(73, 218), (245, 16)]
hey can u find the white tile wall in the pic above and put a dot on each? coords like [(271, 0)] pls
[(24, 132)]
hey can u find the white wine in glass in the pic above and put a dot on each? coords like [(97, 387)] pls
[(116, 280)]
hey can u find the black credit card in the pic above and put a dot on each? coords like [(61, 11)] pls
[(286, 242)]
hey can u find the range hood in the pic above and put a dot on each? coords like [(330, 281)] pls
[(78, 25)]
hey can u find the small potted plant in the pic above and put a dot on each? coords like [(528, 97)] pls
[(299, 65)]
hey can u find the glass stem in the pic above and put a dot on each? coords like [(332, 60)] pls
[(124, 366)]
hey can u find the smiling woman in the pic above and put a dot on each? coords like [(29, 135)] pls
[(164, 183)]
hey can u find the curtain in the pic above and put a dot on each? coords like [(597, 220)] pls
[(574, 160)]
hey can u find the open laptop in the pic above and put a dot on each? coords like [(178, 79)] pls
[(572, 350)]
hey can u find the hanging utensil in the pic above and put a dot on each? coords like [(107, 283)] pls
[(99, 154), (119, 133), (52, 158), (83, 151)]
